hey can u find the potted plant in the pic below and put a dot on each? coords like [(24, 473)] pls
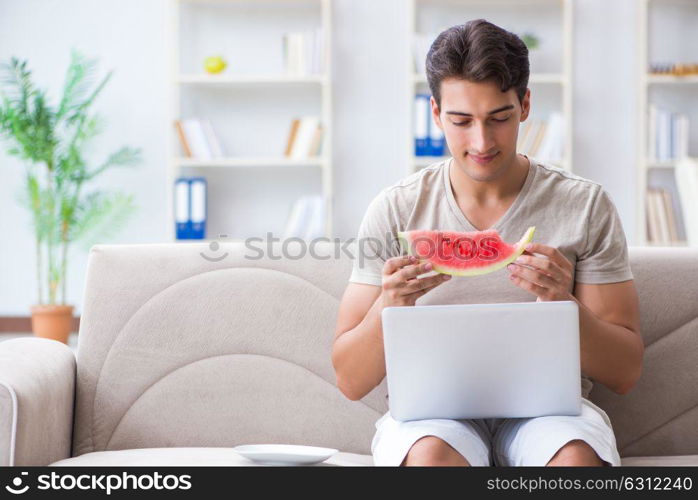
[(51, 141)]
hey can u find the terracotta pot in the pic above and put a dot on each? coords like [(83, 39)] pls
[(52, 322)]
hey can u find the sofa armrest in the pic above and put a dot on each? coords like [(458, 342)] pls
[(37, 391)]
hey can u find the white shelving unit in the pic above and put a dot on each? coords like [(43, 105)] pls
[(667, 88), (550, 83), (254, 83)]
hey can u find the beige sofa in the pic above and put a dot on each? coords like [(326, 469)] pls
[(181, 358)]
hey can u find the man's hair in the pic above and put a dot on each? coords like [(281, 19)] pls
[(478, 51)]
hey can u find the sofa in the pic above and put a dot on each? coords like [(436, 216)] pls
[(186, 350)]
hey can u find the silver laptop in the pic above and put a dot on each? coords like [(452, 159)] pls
[(483, 360)]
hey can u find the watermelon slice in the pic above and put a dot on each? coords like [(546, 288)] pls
[(463, 254)]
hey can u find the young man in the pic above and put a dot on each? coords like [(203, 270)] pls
[(478, 75)]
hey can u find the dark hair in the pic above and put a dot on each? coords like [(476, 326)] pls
[(478, 51)]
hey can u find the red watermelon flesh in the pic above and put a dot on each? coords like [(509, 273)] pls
[(463, 254)]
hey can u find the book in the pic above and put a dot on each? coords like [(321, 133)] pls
[(212, 139), (663, 121), (303, 52), (652, 133), (682, 148), (662, 217), (196, 138), (318, 45), (668, 135), (293, 53), (197, 214), (304, 138), (315, 51), (182, 139), (671, 216), (292, 136), (181, 208), (316, 143), (436, 141), (671, 137), (653, 230)]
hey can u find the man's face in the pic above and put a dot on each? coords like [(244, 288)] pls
[(480, 122)]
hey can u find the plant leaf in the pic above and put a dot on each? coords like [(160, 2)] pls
[(100, 216)]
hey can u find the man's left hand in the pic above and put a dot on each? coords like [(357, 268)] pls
[(548, 276)]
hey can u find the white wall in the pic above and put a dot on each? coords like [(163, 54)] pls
[(605, 96), (369, 57), (128, 36)]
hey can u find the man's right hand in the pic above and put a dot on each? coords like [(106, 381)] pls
[(401, 287)]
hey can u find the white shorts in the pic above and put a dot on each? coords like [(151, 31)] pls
[(499, 441)]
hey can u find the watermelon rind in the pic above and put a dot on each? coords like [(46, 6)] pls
[(520, 248)]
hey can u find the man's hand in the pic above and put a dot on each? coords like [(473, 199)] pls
[(549, 277), (401, 287)]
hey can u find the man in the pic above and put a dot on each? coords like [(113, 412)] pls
[(478, 76)]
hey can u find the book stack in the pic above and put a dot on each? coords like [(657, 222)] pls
[(676, 69), (190, 208), (668, 135), (306, 219), (543, 138), (304, 138), (428, 137), (198, 139), (303, 52)]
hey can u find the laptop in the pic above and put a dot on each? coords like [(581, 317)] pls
[(483, 360)]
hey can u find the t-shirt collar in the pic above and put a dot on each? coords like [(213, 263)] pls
[(507, 215)]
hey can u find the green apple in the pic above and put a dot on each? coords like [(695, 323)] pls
[(214, 64)]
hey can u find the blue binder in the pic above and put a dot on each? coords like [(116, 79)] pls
[(422, 118), (190, 208), (436, 139)]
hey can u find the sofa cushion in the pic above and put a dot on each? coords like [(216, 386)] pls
[(177, 351), (658, 417), (227, 457), (187, 456)]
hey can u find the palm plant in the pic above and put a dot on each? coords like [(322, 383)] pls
[(51, 140)]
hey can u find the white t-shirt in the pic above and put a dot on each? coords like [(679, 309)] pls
[(571, 213)]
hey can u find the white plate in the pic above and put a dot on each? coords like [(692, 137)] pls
[(285, 454)]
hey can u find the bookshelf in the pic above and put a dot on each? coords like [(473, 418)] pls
[(253, 186), (551, 63), (666, 35)]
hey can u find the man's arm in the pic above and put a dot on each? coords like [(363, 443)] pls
[(609, 318), (610, 341), (357, 351)]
